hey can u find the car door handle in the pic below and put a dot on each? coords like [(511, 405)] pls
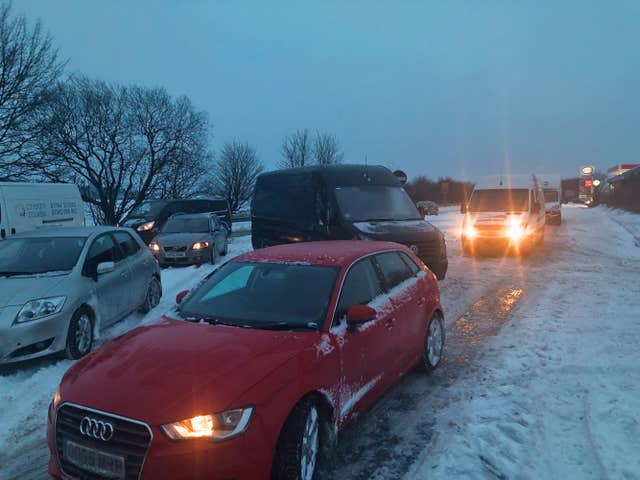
[(421, 301), (124, 274)]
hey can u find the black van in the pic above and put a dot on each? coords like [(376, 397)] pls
[(150, 216), (341, 202)]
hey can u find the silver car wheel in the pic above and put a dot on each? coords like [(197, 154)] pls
[(434, 342), (309, 445), (83, 334), (153, 294)]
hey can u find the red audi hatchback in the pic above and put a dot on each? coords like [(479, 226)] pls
[(255, 371)]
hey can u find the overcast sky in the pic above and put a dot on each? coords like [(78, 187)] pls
[(441, 88)]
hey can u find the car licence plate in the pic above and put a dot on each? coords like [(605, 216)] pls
[(104, 464), (176, 254)]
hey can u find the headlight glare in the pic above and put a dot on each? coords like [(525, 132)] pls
[(200, 245), (221, 426), (154, 247), (145, 226), (43, 307)]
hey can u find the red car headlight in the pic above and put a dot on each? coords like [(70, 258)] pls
[(220, 426)]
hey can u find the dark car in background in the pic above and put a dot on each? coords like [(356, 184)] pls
[(149, 217), (342, 202), (190, 239)]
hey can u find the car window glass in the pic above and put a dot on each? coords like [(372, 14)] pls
[(393, 268), (127, 244), (410, 263), (234, 281), (103, 249), (360, 287)]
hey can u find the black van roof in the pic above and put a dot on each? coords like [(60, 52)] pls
[(341, 175)]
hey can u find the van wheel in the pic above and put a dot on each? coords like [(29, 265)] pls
[(433, 346), (80, 335), (152, 298), (298, 448)]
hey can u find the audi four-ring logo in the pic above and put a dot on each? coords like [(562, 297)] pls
[(96, 429)]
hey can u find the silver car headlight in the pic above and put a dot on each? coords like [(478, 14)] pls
[(220, 426), (40, 308)]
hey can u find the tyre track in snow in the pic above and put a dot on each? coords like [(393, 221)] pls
[(386, 440)]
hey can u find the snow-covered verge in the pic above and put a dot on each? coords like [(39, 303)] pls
[(557, 393), (26, 389)]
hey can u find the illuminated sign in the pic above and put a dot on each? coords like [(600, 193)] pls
[(587, 170)]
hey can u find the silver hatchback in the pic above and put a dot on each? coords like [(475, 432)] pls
[(60, 286)]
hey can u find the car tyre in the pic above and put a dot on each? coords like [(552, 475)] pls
[(80, 334), (433, 345), (152, 297), (299, 447)]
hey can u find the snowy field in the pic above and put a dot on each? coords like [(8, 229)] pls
[(541, 378)]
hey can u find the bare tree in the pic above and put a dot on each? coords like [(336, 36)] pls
[(326, 149), (295, 149), (29, 65), (124, 145), (235, 173)]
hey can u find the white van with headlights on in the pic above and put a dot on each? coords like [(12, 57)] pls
[(504, 212), (30, 206)]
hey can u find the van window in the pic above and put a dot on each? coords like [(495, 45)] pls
[(287, 196), (149, 209), (500, 200), (375, 203)]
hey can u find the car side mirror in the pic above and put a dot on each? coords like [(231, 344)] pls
[(181, 295), (359, 314), (463, 207), (105, 267)]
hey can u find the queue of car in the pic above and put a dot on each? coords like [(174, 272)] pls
[(255, 371)]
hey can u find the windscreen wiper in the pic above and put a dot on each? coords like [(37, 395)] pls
[(285, 326), (12, 274)]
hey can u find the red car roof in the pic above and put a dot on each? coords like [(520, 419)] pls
[(339, 252)]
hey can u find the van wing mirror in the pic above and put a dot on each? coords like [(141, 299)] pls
[(180, 296)]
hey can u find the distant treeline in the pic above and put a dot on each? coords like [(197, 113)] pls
[(443, 191)]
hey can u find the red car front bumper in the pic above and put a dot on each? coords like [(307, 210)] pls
[(246, 457)]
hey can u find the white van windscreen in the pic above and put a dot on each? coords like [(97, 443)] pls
[(500, 200)]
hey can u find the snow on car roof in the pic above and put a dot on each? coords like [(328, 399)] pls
[(339, 252)]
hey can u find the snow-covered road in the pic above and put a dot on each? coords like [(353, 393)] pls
[(542, 377)]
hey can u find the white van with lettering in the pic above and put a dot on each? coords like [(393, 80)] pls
[(30, 206)]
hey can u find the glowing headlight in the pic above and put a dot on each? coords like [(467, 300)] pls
[(221, 426), (146, 226), (56, 398), (43, 307), (470, 231), (200, 245), (154, 247), (516, 232)]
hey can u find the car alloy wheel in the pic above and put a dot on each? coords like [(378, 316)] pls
[(434, 343), (83, 334), (154, 294), (310, 445), (80, 335)]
